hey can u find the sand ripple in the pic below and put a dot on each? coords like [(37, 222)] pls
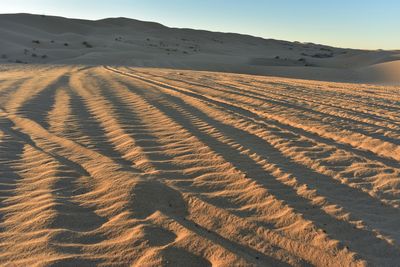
[(116, 166)]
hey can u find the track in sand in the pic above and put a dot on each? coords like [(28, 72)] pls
[(121, 166)]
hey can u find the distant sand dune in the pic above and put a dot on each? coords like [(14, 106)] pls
[(36, 39), (118, 166)]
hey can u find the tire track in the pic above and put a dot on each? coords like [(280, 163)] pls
[(226, 133), (184, 126), (297, 130), (162, 162), (264, 94), (103, 166)]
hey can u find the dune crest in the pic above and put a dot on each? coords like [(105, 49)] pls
[(36, 39)]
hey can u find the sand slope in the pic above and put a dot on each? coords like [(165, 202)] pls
[(115, 166), (29, 38)]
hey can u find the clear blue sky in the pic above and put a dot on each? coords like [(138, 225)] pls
[(370, 24)]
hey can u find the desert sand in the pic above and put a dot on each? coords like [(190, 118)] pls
[(120, 164), (35, 39)]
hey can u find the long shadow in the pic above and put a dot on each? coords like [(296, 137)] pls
[(256, 140), (240, 92), (350, 121), (339, 96), (39, 106), (154, 150), (72, 216), (15, 85), (96, 135), (270, 92), (11, 151), (244, 112), (143, 136), (151, 196), (77, 221), (329, 104), (338, 230)]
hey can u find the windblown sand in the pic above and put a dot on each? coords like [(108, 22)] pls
[(146, 167), (37, 39)]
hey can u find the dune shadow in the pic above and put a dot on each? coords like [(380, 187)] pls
[(38, 107), (328, 187)]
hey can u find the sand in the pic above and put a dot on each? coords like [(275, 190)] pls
[(39, 39), (122, 166), (128, 143)]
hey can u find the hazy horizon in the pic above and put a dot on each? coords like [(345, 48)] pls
[(359, 24)]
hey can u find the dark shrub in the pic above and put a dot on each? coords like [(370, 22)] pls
[(87, 44), (325, 49), (322, 55)]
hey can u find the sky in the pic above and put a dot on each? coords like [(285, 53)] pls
[(367, 24)]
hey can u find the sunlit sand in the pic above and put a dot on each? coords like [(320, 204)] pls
[(120, 165)]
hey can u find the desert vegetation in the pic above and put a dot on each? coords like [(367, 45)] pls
[(87, 45)]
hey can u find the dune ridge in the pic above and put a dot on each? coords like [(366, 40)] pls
[(39, 39)]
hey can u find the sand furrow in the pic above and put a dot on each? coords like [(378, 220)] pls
[(339, 114), (286, 93), (284, 113), (233, 195), (159, 145), (363, 200), (31, 88), (108, 199), (307, 143), (288, 96), (119, 166)]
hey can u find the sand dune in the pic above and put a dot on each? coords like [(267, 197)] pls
[(120, 166), (106, 162), (39, 39)]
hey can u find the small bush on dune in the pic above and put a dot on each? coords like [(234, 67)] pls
[(87, 44), (3, 56), (66, 44), (323, 55), (36, 41), (325, 49)]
